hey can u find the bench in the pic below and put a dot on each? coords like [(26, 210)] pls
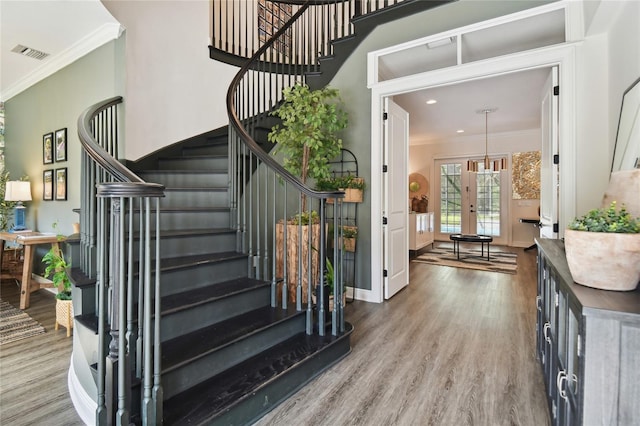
[(470, 238)]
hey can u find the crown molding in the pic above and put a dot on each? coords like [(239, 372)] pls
[(55, 63)]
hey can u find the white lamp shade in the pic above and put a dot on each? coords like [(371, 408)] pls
[(17, 191)]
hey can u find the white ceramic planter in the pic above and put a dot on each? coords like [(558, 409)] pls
[(606, 261)]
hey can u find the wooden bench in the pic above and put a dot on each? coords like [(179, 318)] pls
[(470, 238)]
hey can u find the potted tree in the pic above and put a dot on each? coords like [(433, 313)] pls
[(56, 268), (307, 139), (603, 249)]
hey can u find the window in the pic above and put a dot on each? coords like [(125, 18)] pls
[(450, 198), (271, 17)]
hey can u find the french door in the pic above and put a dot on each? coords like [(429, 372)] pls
[(470, 202)]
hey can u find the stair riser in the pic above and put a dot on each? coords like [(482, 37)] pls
[(195, 198), (195, 163), (269, 396), (195, 244), (208, 366), (179, 179), (178, 280), (214, 149), (183, 220), (186, 321)]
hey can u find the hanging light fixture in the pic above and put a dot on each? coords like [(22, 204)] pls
[(495, 165), (486, 112)]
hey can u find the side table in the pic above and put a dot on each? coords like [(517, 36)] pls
[(29, 240)]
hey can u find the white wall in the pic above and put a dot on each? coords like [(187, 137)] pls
[(173, 89), (608, 62)]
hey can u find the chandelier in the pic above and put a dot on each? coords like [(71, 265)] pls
[(496, 164)]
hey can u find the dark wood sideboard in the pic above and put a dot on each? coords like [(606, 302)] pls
[(588, 343)]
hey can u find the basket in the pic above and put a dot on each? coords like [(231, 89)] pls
[(64, 315)]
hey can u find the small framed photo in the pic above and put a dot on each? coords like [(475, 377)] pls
[(47, 185), (61, 184), (61, 145), (47, 148)]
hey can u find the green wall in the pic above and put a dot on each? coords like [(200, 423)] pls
[(351, 79), (55, 103)]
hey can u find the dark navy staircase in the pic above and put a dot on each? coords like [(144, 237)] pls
[(228, 357)]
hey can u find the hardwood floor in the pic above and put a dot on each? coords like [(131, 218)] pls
[(456, 347), (33, 371)]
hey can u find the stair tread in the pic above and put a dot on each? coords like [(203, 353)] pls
[(194, 345), (193, 231), (192, 209), (184, 300), (176, 171), (198, 259), (197, 188), (191, 157), (204, 401)]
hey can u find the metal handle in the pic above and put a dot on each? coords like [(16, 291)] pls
[(560, 379), (539, 303), (547, 326)]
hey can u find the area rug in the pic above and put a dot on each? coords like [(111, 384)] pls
[(16, 324), (470, 259)]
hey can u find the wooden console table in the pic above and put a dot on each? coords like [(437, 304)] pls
[(28, 240)]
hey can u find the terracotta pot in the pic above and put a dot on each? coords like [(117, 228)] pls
[(606, 261)]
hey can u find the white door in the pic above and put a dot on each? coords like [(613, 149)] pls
[(470, 203), (395, 199), (549, 169)]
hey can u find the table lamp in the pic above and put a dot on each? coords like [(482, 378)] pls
[(18, 191)]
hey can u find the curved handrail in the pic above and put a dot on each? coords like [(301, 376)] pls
[(95, 151), (296, 258), (234, 120)]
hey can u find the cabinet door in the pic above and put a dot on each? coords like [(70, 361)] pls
[(568, 377)]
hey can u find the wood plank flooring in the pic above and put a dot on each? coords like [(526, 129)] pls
[(33, 371), (456, 347)]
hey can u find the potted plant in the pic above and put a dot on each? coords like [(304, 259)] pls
[(603, 249), (352, 186), (308, 139), (56, 268), (308, 136), (349, 234)]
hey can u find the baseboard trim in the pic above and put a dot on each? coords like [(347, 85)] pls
[(85, 406)]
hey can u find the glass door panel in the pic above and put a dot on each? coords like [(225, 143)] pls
[(451, 198), (488, 205)]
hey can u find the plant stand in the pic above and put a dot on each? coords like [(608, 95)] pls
[(64, 315), (345, 165)]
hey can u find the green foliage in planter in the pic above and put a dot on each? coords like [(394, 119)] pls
[(305, 218), (308, 137), (349, 231), (607, 220), (340, 182), (56, 268)]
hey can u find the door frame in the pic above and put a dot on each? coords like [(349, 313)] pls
[(564, 56)]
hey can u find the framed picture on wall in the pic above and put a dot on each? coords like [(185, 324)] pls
[(47, 148), (61, 184), (61, 145), (47, 185)]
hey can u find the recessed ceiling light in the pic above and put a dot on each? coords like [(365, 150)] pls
[(431, 101), (460, 131)]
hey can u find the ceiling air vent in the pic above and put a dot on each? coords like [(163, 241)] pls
[(27, 51)]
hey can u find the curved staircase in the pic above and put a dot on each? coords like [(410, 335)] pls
[(182, 314)]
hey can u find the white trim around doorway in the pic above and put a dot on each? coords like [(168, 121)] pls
[(563, 56)]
